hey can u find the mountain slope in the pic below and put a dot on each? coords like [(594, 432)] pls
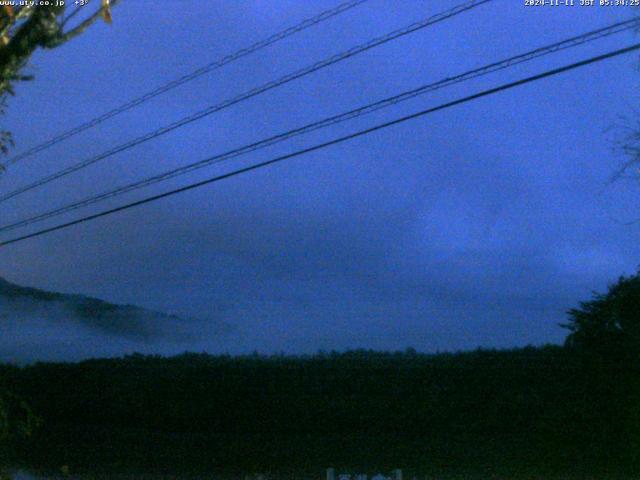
[(118, 320)]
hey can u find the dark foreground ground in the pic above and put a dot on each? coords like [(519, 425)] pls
[(528, 413)]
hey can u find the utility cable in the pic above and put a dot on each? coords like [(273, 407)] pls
[(484, 93), (326, 122), (309, 22), (247, 95)]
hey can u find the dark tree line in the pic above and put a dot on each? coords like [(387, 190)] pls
[(535, 407), (554, 408)]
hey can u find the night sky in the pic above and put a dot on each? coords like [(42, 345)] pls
[(476, 226)]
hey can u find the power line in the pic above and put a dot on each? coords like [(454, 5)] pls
[(335, 141), (252, 93), (305, 24), (370, 108)]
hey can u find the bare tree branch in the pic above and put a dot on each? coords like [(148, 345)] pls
[(35, 32), (26, 28), (24, 12), (33, 27), (79, 29)]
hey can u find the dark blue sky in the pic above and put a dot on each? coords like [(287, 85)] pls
[(476, 226)]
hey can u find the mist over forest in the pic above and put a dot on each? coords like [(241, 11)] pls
[(59, 326)]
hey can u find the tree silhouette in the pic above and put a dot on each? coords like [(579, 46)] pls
[(608, 323), (606, 331), (25, 28)]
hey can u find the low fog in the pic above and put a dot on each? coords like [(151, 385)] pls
[(40, 325)]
